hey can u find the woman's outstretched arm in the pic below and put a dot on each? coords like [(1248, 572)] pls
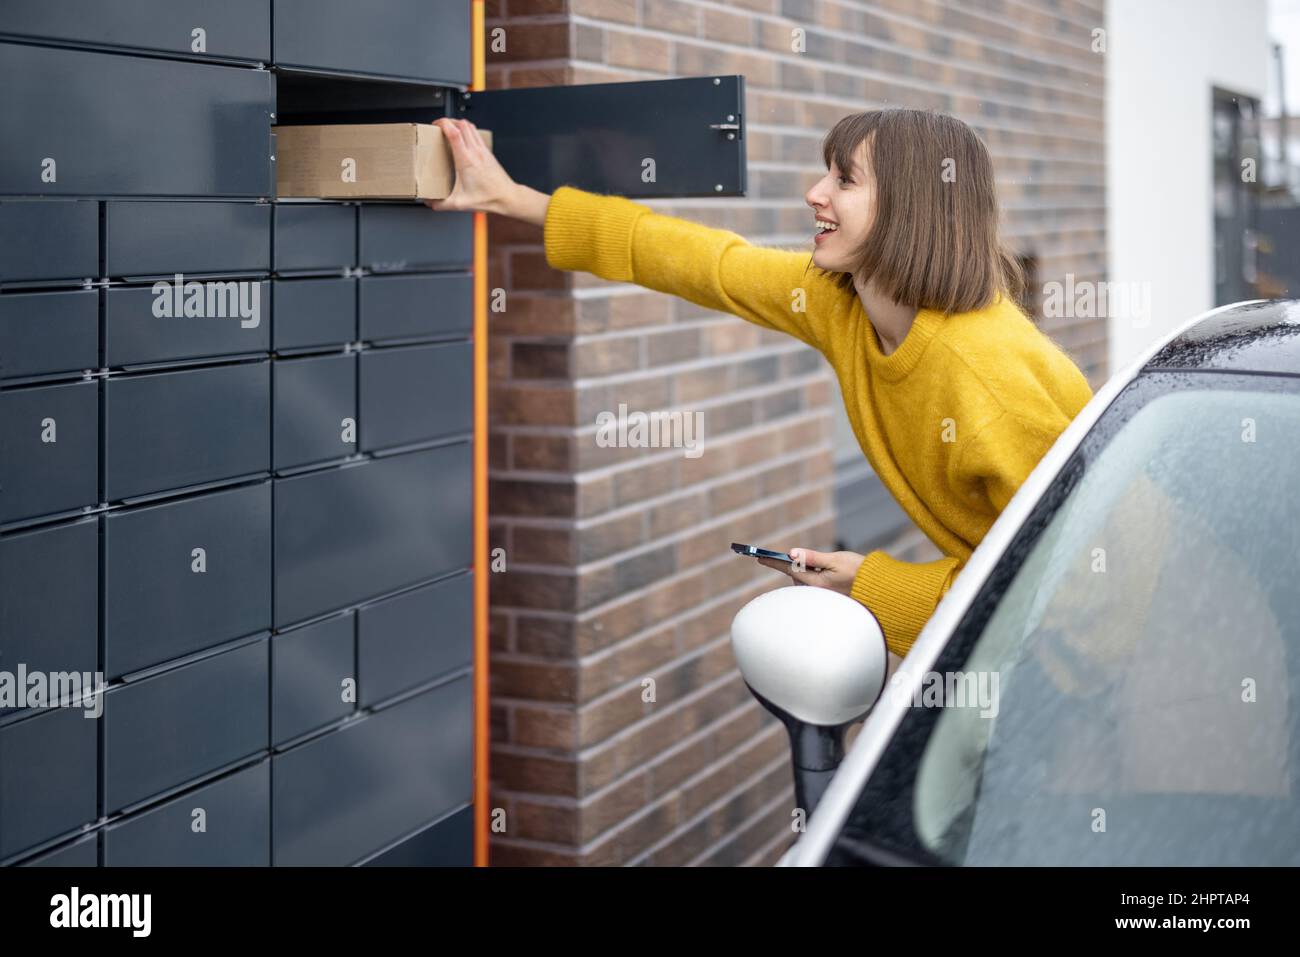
[(625, 241)]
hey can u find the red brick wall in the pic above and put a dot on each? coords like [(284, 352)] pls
[(617, 569)]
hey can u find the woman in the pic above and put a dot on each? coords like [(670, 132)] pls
[(953, 393)]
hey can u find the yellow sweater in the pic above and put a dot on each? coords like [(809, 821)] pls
[(952, 421)]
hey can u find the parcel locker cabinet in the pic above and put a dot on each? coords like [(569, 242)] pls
[(146, 325), (49, 450), (359, 531), (234, 29), (416, 394), (426, 40), (48, 333), (315, 409), (185, 575), (236, 827), (48, 241), (417, 758), (174, 430), (47, 777), (162, 239), (176, 728), (49, 598), (312, 314), (80, 123)]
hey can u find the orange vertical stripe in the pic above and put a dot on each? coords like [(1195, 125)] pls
[(481, 569)]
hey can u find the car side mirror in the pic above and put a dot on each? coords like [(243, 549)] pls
[(817, 660)]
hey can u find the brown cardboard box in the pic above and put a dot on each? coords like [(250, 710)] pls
[(365, 161)]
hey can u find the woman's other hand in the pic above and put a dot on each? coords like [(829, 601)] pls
[(833, 570)]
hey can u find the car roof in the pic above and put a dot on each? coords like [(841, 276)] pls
[(1246, 337)]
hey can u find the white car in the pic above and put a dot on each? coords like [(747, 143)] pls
[(1114, 677)]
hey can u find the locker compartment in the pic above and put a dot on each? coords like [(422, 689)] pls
[(416, 393), (49, 598), (48, 332), (47, 777), (162, 239), (163, 598), (359, 531), (416, 307), (448, 843), (236, 321), (397, 237), (310, 236), (76, 123), (314, 312), (83, 852), (418, 761), (176, 429), (234, 29), (419, 39), (315, 409), (236, 817), (171, 728), (308, 669), (49, 450), (48, 241), (405, 641)]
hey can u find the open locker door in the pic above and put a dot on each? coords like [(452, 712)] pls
[(644, 139)]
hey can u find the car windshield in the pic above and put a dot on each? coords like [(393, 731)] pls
[(1132, 667)]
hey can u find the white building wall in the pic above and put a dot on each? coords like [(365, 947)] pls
[(1163, 59)]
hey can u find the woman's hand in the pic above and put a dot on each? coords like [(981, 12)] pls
[(482, 184), (833, 570)]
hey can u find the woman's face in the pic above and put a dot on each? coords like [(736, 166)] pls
[(847, 198)]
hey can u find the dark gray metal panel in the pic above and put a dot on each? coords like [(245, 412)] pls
[(171, 728), (315, 409), (416, 307), (449, 843), (420, 39), (156, 605), (405, 641), (47, 332), (598, 136), (47, 777), (308, 669), (360, 531), (236, 29), (236, 832), (134, 334), (132, 126), (398, 237), (418, 761), (40, 240), (49, 598), (83, 852), (314, 312), (176, 429), (161, 239), (49, 450), (416, 393), (314, 236)]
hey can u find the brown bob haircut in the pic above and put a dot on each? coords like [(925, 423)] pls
[(934, 241)]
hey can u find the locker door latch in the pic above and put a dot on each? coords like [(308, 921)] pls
[(731, 126)]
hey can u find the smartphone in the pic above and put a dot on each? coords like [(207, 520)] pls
[(753, 551)]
